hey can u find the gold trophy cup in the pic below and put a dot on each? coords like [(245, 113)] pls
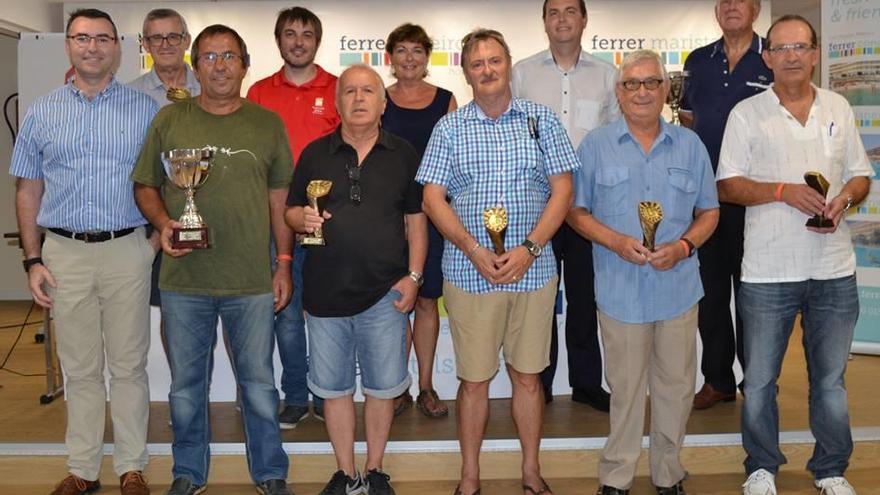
[(175, 95), (818, 183), (317, 192), (495, 221), (188, 169), (650, 214), (676, 93)]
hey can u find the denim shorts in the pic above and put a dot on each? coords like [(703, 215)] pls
[(372, 343)]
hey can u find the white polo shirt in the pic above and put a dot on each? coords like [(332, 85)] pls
[(765, 143), (583, 97)]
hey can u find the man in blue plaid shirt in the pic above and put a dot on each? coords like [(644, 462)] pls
[(498, 151)]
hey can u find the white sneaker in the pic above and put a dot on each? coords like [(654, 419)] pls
[(761, 482), (834, 486)]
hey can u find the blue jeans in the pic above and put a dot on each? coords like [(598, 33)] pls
[(829, 310), (290, 331), (375, 337), (191, 331)]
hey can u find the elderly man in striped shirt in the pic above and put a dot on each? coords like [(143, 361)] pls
[(498, 152), (76, 149)]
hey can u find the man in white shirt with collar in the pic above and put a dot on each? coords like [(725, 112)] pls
[(790, 267), (580, 89), (166, 39)]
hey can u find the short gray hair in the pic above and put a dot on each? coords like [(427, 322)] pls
[(359, 67), (638, 56), (157, 14), (756, 3)]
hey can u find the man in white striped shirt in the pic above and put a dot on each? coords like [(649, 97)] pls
[(72, 160)]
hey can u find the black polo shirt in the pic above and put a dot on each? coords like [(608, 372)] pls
[(712, 90), (366, 251)]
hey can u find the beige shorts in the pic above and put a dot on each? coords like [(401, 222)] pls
[(520, 323)]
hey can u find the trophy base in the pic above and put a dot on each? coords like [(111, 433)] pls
[(312, 241), (190, 238), (820, 222)]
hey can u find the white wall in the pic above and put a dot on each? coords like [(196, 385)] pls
[(31, 15)]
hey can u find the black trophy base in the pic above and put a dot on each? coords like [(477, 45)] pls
[(820, 222), (309, 240), (189, 238)]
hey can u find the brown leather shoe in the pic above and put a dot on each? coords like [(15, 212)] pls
[(74, 485), (133, 483), (708, 397)]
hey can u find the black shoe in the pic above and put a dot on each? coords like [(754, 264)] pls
[(290, 416), (599, 400), (183, 486), (341, 484), (377, 483), (678, 489), (273, 487), (610, 490)]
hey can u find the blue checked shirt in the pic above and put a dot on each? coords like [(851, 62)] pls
[(85, 151), (484, 163), (616, 176)]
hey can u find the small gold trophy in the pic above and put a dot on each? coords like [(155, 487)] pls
[(676, 93), (317, 191), (819, 184), (650, 214), (495, 220), (176, 95), (188, 169)]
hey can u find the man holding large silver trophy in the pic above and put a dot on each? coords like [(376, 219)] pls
[(645, 196), (236, 155)]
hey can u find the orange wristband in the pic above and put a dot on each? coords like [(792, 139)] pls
[(779, 189), (687, 249), (284, 257)]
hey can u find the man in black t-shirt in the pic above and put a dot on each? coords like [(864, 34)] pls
[(360, 285)]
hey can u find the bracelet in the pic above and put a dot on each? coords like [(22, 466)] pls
[(687, 248), (284, 257), (28, 263), (473, 249), (779, 188)]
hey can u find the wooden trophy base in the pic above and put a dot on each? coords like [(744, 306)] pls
[(190, 238), (820, 222), (312, 241)]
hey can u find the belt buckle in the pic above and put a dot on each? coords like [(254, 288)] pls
[(92, 236)]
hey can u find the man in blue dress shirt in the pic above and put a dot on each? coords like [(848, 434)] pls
[(76, 149), (647, 299)]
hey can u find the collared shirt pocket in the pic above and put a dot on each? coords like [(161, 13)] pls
[(612, 189), (587, 114), (682, 194), (833, 142)]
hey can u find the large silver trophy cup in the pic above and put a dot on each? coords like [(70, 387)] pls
[(188, 169), (676, 93)]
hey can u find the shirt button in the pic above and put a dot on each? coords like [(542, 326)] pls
[(725, 85), (725, 72), (565, 92), (565, 111)]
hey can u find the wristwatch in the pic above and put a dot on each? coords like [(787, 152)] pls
[(691, 248), (28, 263), (849, 202), (534, 248), (418, 278)]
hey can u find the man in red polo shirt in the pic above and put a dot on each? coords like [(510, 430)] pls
[(303, 94)]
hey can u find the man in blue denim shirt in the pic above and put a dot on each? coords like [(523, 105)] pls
[(647, 299)]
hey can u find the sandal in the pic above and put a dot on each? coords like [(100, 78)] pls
[(440, 410), (401, 402), (545, 488), (458, 491)]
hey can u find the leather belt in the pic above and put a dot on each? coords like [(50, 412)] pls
[(93, 236)]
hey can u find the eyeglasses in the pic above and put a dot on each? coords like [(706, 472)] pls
[(634, 84), (84, 40), (211, 57), (173, 39), (797, 48), (354, 177)]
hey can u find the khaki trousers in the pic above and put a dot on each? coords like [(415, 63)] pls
[(659, 357), (102, 314)]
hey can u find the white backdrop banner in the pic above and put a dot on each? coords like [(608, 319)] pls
[(851, 68), (354, 32)]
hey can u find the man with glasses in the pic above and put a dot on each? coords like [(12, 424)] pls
[(165, 38), (241, 200), (792, 262), (303, 94), (580, 89), (721, 75), (361, 284), (72, 159), (647, 285), (498, 157)]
